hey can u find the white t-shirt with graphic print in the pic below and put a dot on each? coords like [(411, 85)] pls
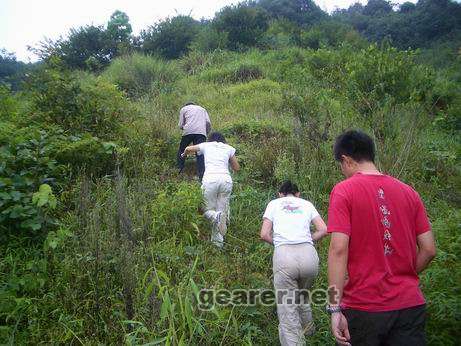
[(291, 218), (216, 155)]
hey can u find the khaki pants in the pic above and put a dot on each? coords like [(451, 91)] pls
[(294, 267), (216, 194)]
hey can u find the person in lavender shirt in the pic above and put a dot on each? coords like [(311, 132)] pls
[(195, 124)]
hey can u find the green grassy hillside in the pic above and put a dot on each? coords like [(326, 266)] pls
[(122, 256)]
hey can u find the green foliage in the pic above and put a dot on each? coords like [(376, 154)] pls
[(8, 104), (233, 74), (44, 196), (11, 71), (139, 74), (413, 26), (119, 28), (281, 33), (77, 104), (176, 212), (330, 34), (376, 74), (301, 12), (244, 25), (170, 38), (209, 39)]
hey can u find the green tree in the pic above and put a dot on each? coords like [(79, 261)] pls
[(170, 38), (302, 12), (119, 27), (244, 25), (377, 8), (11, 71), (119, 33)]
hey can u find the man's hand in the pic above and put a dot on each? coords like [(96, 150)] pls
[(340, 329), (183, 155)]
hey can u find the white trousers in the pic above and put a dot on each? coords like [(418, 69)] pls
[(216, 194), (294, 267)]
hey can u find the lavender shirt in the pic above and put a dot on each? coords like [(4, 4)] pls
[(193, 119)]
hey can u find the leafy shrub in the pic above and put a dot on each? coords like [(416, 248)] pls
[(8, 104), (34, 159), (87, 153), (255, 130), (209, 39), (26, 168), (88, 104), (330, 34), (233, 74), (281, 33), (243, 24), (176, 212), (376, 74), (170, 38), (139, 74)]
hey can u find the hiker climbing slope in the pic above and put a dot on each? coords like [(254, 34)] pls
[(195, 123), (216, 182), (286, 225), (382, 238)]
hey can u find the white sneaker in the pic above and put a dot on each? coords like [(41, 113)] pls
[(222, 222)]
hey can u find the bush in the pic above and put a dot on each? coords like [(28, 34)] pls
[(209, 39), (88, 104), (140, 74), (170, 38), (244, 25), (176, 212), (375, 74), (8, 104), (26, 168), (233, 74), (330, 34)]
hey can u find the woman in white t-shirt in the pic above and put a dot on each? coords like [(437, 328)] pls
[(216, 182), (286, 225)]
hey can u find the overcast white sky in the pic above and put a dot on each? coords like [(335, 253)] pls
[(27, 22)]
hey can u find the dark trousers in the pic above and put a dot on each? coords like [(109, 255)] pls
[(185, 141), (390, 328)]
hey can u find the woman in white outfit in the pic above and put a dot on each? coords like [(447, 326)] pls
[(216, 182), (286, 225)]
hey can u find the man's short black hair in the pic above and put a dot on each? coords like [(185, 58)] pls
[(189, 103), (355, 144)]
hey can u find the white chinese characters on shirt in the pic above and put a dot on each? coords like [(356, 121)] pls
[(385, 212)]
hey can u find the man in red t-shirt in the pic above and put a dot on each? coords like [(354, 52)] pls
[(381, 239)]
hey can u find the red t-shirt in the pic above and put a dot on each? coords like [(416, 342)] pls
[(382, 217)]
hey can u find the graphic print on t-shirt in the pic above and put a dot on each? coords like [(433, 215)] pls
[(291, 208), (387, 236)]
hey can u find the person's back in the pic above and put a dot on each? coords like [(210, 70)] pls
[(194, 120), (216, 155), (286, 225), (195, 124), (291, 220), (386, 216), (381, 239), (217, 181)]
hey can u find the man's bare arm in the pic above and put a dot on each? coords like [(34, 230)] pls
[(337, 265), (426, 250)]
